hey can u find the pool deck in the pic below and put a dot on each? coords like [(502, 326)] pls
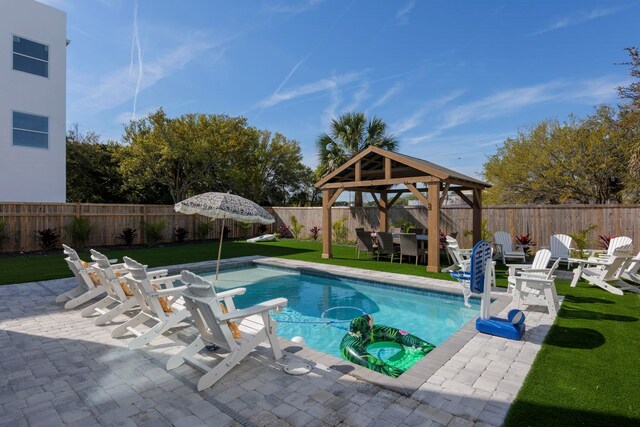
[(57, 368)]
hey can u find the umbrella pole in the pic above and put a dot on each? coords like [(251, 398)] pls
[(220, 248)]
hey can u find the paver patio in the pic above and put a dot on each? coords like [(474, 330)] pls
[(60, 369)]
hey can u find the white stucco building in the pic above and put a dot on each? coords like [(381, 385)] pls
[(33, 64)]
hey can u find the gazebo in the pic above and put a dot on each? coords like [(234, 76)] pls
[(377, 171)]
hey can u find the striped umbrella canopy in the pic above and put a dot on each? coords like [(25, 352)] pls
[(224, 206)]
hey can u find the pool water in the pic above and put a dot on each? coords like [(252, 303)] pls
[(429, 315)]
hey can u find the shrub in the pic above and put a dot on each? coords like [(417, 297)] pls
[(153, 231), (404, 224), (340, 230), (443, 240), (604, 240), (79, 229), (314, 231), (128, 235), (180, 234), (48, 238), (203, 229), (3, 236), (284, 231), (581, 239), (485, 233), (296, 227), (244, 226), (526, 240), (262, 229)]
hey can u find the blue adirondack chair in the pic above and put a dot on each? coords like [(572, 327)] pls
[(477, 281)]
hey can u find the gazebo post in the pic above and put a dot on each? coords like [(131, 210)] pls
[(433, 227), (384, 209), (477, 215), (326, 224)]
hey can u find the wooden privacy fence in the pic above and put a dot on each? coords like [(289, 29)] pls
[(23, 220)]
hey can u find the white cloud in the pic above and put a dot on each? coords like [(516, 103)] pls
[(416, 118), (126, 116), (288, 7), (358, 97), (331, 111), (506, 102), (402, 15), (390, 93), (578, 18), (59, 4), (309, 88), (476, 140), (119, 86), (286, 79)]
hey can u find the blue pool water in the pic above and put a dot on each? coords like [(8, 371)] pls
[(431, 316)]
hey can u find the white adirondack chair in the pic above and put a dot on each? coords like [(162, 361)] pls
[(560, 246), (505, 248), (602, 273), (539, 266), (120, 298), (459, 257), (162, 306), (106, 274), (88, 283), (537, 289), (255, 326), (614, 244), (631, 274)]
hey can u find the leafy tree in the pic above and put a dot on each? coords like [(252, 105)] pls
[(269, 170), (195, 153), (632, 92), (92, 169), (349, 134), (629, 124), (185, 155), (583, 160)]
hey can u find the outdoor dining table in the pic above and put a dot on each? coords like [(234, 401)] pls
[(396, 238)]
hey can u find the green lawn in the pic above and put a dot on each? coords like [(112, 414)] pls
[(587, 372)]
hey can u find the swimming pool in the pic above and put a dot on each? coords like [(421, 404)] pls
[(430, 315)]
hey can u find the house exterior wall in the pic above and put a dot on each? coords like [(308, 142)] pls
[(33, 174)]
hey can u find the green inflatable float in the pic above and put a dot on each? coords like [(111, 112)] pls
[(365, 339)]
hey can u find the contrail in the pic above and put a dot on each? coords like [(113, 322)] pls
[(293, 70), (324, 36), (136, 42)]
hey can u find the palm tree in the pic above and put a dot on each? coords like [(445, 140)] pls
[(349, 134)]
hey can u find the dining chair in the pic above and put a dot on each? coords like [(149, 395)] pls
[(364, 242), (386, 245), (409, 247)]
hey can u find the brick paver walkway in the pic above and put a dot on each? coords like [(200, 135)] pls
[(57, 368)]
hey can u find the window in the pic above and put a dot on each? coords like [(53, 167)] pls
[(30, 57), (30, 130)]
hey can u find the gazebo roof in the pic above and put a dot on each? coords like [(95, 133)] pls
[(375, 177)]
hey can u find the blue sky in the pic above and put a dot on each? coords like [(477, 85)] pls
[(453, 79)]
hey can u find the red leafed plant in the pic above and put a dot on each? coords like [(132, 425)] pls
[(314, 231), (526, 241), (284, 230), (604, 240), (443, 240)]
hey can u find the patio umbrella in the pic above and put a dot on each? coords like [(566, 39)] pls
[(224, 206)]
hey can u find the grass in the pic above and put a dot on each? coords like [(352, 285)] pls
[(51, 266), (585, 374), (587, 371)]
